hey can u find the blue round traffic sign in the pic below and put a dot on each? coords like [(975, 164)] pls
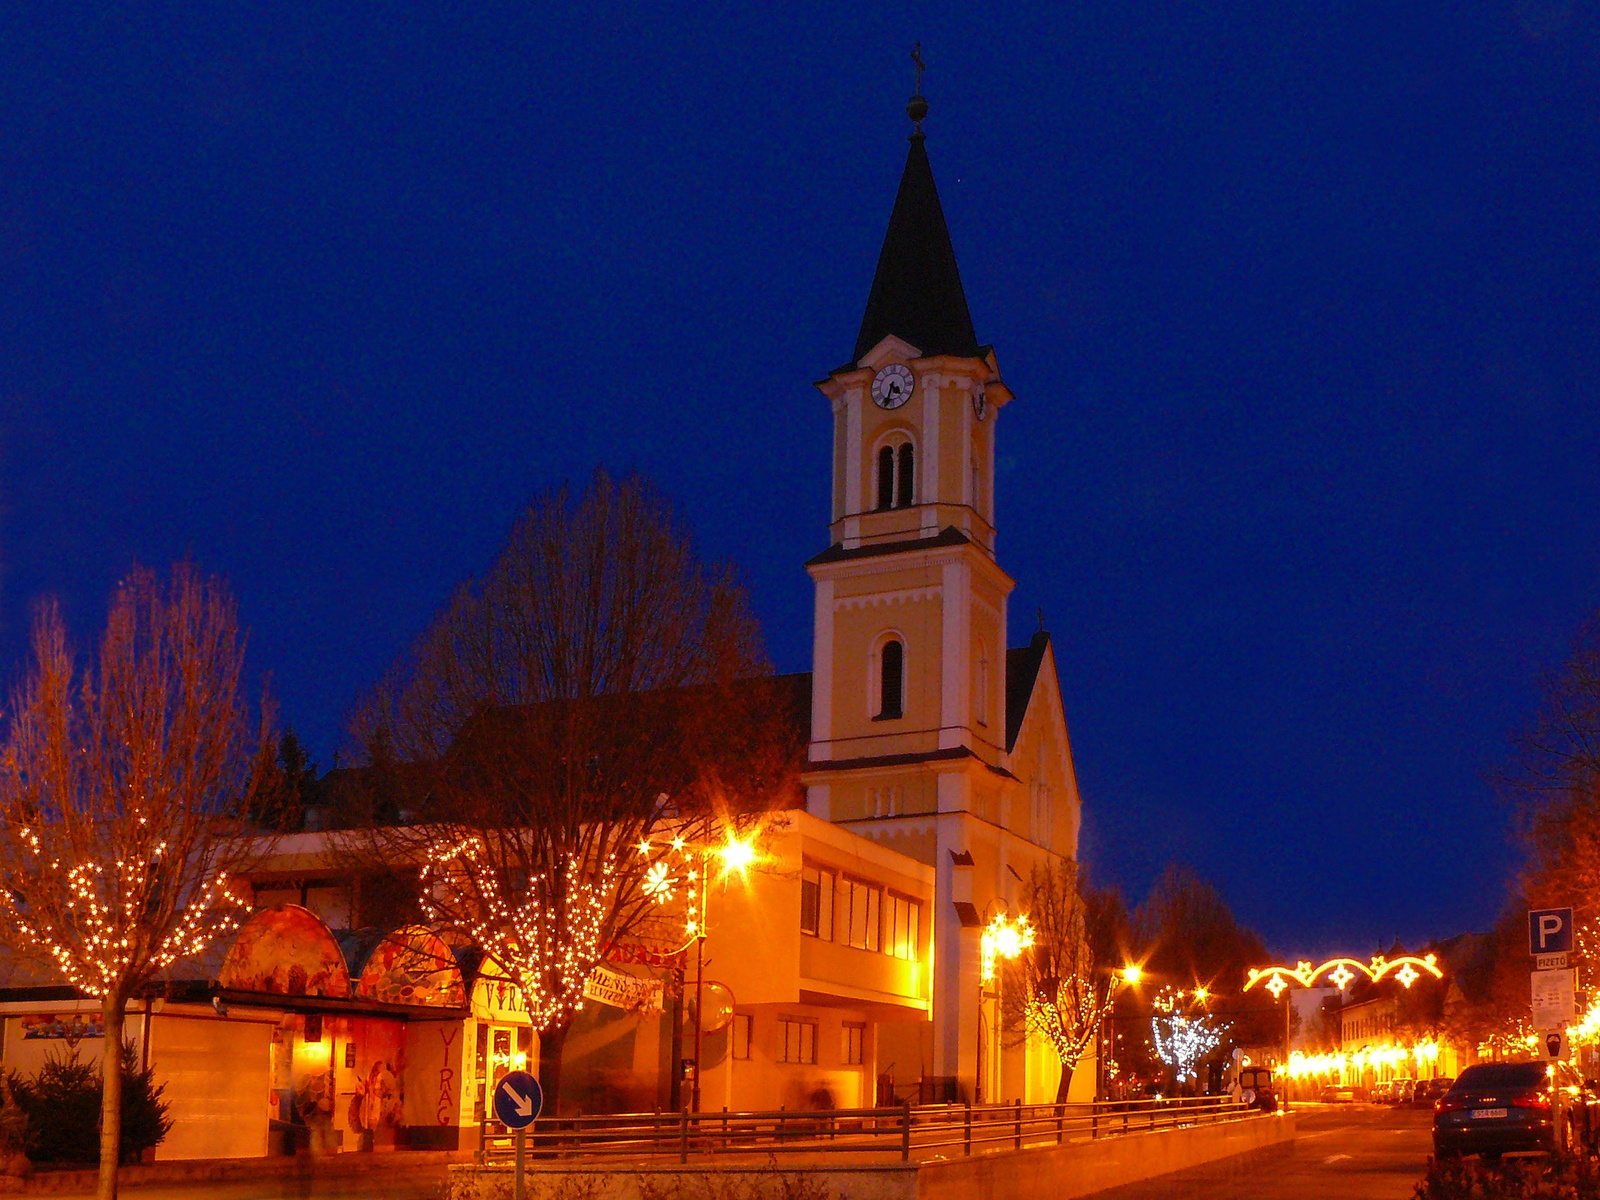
[(517, 1100)]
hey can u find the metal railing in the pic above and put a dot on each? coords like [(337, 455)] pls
[(904, 1132)]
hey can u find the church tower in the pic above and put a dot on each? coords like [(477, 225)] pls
[(927, 735)]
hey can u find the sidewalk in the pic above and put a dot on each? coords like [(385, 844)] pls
[(407, 1175)]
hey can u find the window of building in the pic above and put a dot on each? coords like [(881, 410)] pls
[(799, 1040), (905, 495), (743, 1027), (862, 903), (983, 682), (901, 935), (885, 478), (816, 902), (1042, 816), (891, 680), (851, 1039), (886, 801)]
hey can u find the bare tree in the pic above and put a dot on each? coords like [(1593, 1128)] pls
[(1556, 779), (124, 789), (598, 686), (1061, 986)]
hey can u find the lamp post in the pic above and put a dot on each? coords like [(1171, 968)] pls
[(1003, 938), (1124, 977), (736, 856)]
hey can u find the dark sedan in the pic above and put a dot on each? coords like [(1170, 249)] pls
[(1496, 1108)]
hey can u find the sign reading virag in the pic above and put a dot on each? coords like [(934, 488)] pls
[(624, 991)]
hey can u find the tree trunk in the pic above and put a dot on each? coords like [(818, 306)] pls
[(1065, 1085), (551, 1042), (113, 1010)]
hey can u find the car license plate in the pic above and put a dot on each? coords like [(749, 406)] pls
[(1488, 1114)]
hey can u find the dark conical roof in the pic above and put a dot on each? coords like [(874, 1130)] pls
[(916, 292)]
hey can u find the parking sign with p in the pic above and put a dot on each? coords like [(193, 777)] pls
[(1549, 931)]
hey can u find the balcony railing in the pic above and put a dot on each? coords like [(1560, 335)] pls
[(905, 1132)]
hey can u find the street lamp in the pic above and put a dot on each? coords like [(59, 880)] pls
[(1127, 976), (736, 856), (1003, 938)]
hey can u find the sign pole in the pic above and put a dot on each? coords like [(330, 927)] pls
[(1288, 1011), (522, 1135)]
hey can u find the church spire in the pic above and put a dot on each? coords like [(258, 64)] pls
[(916, 292)]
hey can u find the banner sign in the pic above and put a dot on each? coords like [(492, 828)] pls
[(66, 1027), (644, 956), (624, 991)]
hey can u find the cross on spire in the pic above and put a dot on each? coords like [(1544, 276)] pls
[(918, 107)]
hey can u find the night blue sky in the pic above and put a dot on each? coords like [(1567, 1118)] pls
[(1299, 302)]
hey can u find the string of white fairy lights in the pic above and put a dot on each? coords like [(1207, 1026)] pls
[(110, 935)]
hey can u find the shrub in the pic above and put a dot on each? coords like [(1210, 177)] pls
[(62, 1103), (1548, 1177)]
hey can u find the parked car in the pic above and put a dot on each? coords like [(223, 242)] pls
[(1428, 1091), (1257, 1090), (1499, 1107), (1403, 1089), (1383, 1091), (1338, 1095)]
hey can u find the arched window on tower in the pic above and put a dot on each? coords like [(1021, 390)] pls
[(886, 478), (891, 681), (908, 477)]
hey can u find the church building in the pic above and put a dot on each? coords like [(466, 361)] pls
[(928, 734)]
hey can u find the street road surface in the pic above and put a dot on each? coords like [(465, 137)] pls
[(1342, 1152)]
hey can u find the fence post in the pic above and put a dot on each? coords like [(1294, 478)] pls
[(483, 1140), (683, 1136), (724, 1126), (1061, 1122), (969, 1128), (1019, 1125), (905, 1131)]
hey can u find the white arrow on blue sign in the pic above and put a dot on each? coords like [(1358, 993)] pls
[(517, 1100)]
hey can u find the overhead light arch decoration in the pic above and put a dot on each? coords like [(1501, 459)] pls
[(1342, 972)]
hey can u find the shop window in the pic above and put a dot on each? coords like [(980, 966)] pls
[(799, 1040), (862, 915), (851, 1038), (816, 902), (743, 1027), (904, 916)]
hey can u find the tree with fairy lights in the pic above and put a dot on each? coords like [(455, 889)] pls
[(597, 697), (1183, 1036), (126, 790), (1061, 985)]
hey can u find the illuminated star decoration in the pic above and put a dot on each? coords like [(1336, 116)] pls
[(657, 882)]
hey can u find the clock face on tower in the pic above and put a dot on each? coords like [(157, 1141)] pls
[(891, 387), (980, 402)]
